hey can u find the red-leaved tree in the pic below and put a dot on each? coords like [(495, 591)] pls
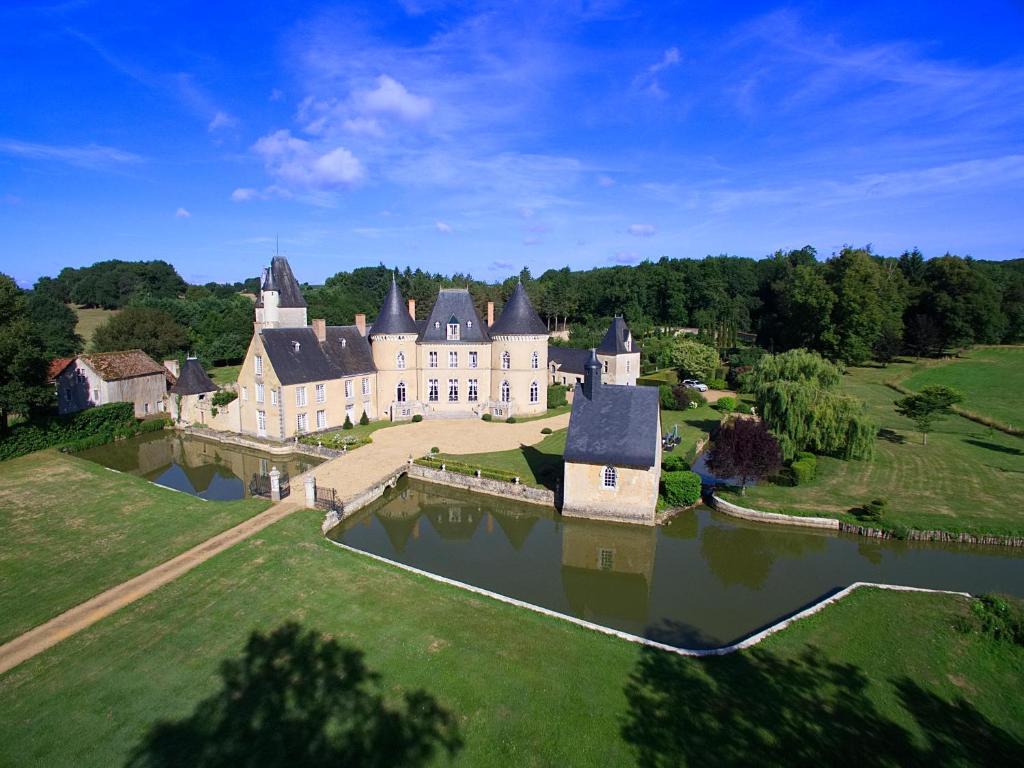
[(746, 450)]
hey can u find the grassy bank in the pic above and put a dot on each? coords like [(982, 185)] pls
[(968, 477), (72, 528), (882, 678), (89, 319), (224, 374), (538, 465)]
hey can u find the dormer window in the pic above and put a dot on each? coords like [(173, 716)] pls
[(469, 323), (344, 343), (437, 324), (453, 328), (295, 346)]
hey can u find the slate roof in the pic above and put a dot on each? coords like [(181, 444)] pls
[(394, 316), (281, 279), (314, 361), (193, 380), (114, 366), (617, 426), (569, 360), (614, 342), (518, 317), (457, 303)]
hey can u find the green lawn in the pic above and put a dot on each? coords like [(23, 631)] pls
[(538, 465), (968, 477), (550, 412), (694, 424), (89, 320), (882, 678), (224, 374), (990, 378), (72, 528)]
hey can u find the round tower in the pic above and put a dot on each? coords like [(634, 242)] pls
[(393, 344), (519, 358)]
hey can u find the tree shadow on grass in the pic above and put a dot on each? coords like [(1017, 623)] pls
[(891, 436), (755, 708), (546, 467), (297, 699), (995, 447)]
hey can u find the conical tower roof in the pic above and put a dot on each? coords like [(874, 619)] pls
[(618, 340), (393, 316), (279, 277), (519, 318), (193, 380)]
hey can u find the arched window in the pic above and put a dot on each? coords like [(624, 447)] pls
[(506, 392), (535, 360), (534, 393), (400, 392), (506, 360), (400, 360), (609, 477)]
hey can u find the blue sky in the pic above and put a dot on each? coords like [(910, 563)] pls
[(487, 137)]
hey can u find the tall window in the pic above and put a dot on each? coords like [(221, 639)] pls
[(472, 359), (321, 419), (300, 422), (261, 422), (321, 393), (348, 388), (400, 392), (258, 365), (453, 330), (432, 390), (245, 393), (259, 391), (366, 385), (432, 359), (609, 477), (273, 396), (300, 396), (506, 392), (534, 393), (474, 390), (400, 361), (535, 360), (453, 390), (506, 360)]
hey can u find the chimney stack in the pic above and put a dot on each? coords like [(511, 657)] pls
[(490, 313), (412, 309), (361, 323), (591, 376), (320, 329)]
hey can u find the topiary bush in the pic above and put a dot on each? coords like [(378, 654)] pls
[(873, 511), (556, 396), (680, 489), (725, 404), (546, 431), (510, 420), (435, 449), (717, 384), (487, 417), (417, 418), (364, 419), (348, 423)]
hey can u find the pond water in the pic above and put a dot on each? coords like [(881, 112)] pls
[(702, 581), (210, 470)]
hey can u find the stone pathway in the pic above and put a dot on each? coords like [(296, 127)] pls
[(348, 475)]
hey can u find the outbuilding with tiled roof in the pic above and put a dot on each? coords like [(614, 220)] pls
[(111, 377)]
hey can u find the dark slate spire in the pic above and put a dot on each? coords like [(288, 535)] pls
[(591, 376), (193, 380), (519, 318), (393, 316), (618, 340), (281, 279)]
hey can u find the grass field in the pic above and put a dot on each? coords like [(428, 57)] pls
[(694, 424), (89, 320), (224, 374), (968, 477), (990, 378), (538, 465), (881, 678), (72, 528)]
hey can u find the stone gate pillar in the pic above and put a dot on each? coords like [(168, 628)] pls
[(310, 491), (275, 484)]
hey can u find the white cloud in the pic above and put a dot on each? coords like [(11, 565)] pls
[(242, 194), (391, 97), (625, 257), (183, 213), (88, 156), (647, 81), (300, 166), (605, 181), (443, 227), (641, 230), (221, 120), (366, 126)]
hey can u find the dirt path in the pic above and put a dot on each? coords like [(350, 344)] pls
[(349, 474)]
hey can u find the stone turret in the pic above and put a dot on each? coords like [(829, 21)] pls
[(591, 376), (280, 304), (519, 354), (393, 337)]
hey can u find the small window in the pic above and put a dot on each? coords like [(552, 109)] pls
[(145, 407), (610, 477), (400, 361), (535, 360), (321, 419), (472, 359), (437, 324), (321, 393), (506, 360), (534, 392), (366, 385), (606, 559), (348, 388), (606, 366), (301, 424), (245, 393), (627, 366), (469, 323), (300, 396), (273, 396)]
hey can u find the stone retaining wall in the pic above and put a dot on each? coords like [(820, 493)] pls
[(913, 534), (274, 449), (772, 517), (515, 491)]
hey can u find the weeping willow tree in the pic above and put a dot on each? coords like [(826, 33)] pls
[(798, 398)]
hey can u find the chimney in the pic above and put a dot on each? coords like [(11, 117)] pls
[(412, 309), (490, 313), (320, 329), (591, 376), (361, 323), (172, 366)]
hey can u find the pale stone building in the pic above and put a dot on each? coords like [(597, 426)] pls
[(131, 376), (190, 400), (612, 451), (617, 353)]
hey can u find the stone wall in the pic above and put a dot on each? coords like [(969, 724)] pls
[(515, 491), (913, 534), (772, 517), (273, 448)]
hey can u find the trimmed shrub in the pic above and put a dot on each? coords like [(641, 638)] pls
[(873, 512), (668, 398), (364, 419), (467, 469), (486, 417), (417, 418), (223, 397), (152, 425), (805, 455), (717, 384), (348, 423), (546, 431), (510, 420), (556, 396), (725, 404), (674, 462), (803, 471), (435, 449), (680, 489)]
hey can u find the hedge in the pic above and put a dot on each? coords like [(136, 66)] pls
[(109, 421), (803, 471), (223, 397), (680, 489), (674, 462), (467, 469), (556, 396)]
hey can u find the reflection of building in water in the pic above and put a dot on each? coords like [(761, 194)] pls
[(515, 525), (454, 521), (400, 518), (607, 570)]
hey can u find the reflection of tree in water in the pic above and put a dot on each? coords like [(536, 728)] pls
[(756, 708), (740, 555), (685, 525), (295, 699)]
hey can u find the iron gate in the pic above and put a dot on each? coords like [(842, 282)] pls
[(326, 499), (260, 485)]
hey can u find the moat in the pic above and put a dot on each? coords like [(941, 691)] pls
[(203, 468), (702, 581)]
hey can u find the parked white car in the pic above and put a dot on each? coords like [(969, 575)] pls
[(700, 386)]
